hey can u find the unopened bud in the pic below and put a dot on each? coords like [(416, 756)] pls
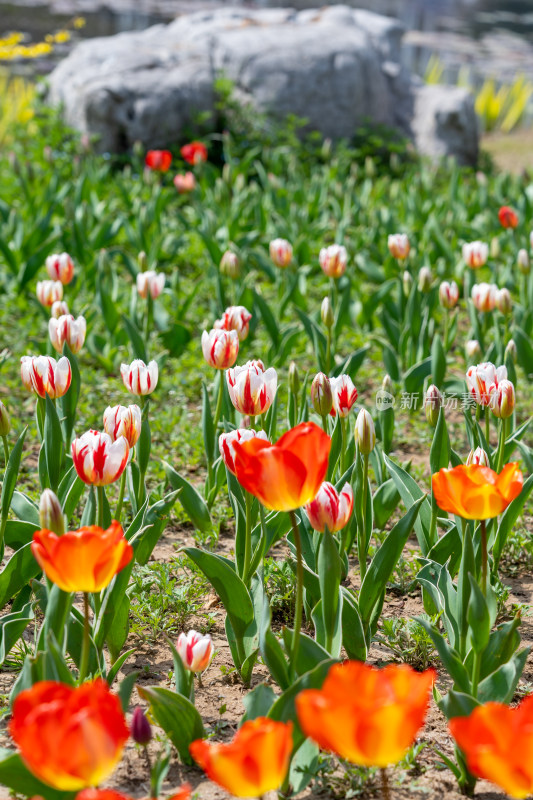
[(50, 513), (370, 167), (141, 730), (502, 399), (326, 313), (365, 432), (294, 378), (230, 265), (479, 457), (5, 423), (504, 304), (511, 351), (495, 248), (425, 279), (387, 385), (523, 261), (473, 350), (143, 261), (321, 394), (407, 281), (433, 404)]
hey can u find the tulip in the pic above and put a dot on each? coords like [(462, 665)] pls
[(476, 492), (183, 793), (98, 459), (252, 388), (150, 283), (294, 378), (387, 385), (497, 741), (256, 761), (5, 422), (184, 182), (46, 376), (473, 349), (481, 378), (502, 399), (48, 292), (235, 318), (504, 304), (50, 513), (321, 394), (141, 730), (194, 152), (123, 421), (478, 456), (85, 560), (366, 715), (60, 267), (344, 395), (140, 378), (333, 260), (433, 404), (195, 650), (508, 217), (495, 247), (523, 261), (69, 737), (58, 309), (158, 160), (326, 313), (69, 330), (220, 348), (230, 264), (399, 246), (330, 509), (511, 351), (484, 296), (475, 254), (280, 252), (407, 282), (227, 440), (288, 474), (448, 294), (365, 432), (425, 279)]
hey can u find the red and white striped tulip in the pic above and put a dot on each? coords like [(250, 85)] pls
[(195, 650), (60, 267), (252, 388), (123, 421), (365, 432), (98, 459), (58, 309), (504, 303), (140, 378), (48, 292), (227, 440), (235, 318), (150, 283), (333, 260), (484, 296), (330, 509), (502, 399), (399, 245), (475, 254), (46, 376), (230, 264), (481, 379), (69, 330), (220, 348), (344, 395), (479, 457), (448, 294), (280, 252)]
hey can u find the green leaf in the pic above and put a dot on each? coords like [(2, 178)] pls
[(413, 379), (136, 339), (69, 401), (18, 571), (524, 349), (438, 361), (208, 427), (15, 775), (177, 716), (258, 702), (53, 444), (193, 503), (450, 659), (500, 686), (478, 617), (329, 576), (457, 704), (385, 502), (508, 519), (12, 626), (439, 455), (11, 475), (353, 634), (410, 492)]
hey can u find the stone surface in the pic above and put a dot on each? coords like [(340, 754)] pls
[(338, 67)]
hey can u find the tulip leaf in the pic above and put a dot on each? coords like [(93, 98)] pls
[(352, 362), (268, 318), (468, 567), (193, 503), (18, 533), (329, 577), (135, 337), (70, 491), (333, 648), (18, 571), (15, 775), (450, 659), (176, 715), (11, 475), (501, 685), (69, 401), (25, 509), (353, 634), (208, 426), (478, 617), (439, 454), (384, 561), (438, 361), (385, 502), (514, 439), (414, 377), (270, 648), (508, 519), (258, 702), (457, 704), (12, 626), (410, 492), (53, 444), (524, 349), (448, 550)]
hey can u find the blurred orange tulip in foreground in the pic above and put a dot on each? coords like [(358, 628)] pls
[(82, 561), (498, 742), (476, 492), (69, 738), (255, 762), (288, 474), (366, 715)]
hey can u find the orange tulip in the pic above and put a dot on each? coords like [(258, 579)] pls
[(69, 737), (254, 762), (82, 561), (476, 492), (183, 793), (288, 474), (369, 716), (498, 742)]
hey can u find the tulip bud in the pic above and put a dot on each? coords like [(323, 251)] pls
[(448, 294), (50, 513), (475, 254), (280, 252), (495, 249), (502, 399), (504, 304), (140, 729), (321, 394), (59, 309), (407, 281), (326, 313), (5, 423), (473, 350), (425, 279), (230, 265), (433, 404), (523, 261), (479, 457), (399, 245), (195, 650), (387, 385), (294, 378), (511, 351), (365, 432), (142, 260)]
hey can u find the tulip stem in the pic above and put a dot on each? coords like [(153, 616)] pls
[(6, 448), (100, 506), (328, 351), (363, 543), (476, 666), (487, 424), (218, 408), (121, 491), (149, 315), (86, 642), (248, 539), (385, 788), (325, 423), (298, 609), (503, 433), (484, 557), (343, 445)]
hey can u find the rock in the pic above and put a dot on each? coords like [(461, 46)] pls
[(445, 123), (336, 66)]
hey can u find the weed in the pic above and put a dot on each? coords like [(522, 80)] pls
[(408, 641)]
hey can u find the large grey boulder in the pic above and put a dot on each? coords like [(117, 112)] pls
[(338, 67)]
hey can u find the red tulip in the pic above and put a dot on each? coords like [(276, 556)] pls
[(194, 152), (158, 160), (508, 217)]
